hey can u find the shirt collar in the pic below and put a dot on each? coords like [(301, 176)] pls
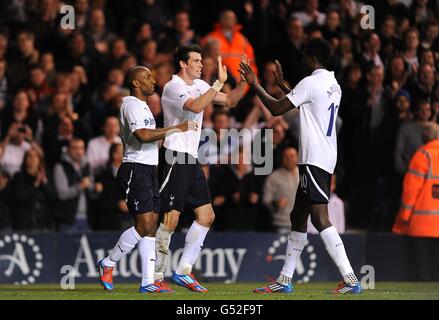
[(321, 70), (127, 98), (177, 78)]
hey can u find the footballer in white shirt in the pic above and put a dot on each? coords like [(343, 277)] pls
[(184, 184), (138, 180), (317, 99)]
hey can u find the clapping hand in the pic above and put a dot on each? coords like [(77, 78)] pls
[(222, 70), (247, 72)]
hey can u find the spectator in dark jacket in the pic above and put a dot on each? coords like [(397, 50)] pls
[(409, 137), (75, 186), (241, 191), (27, 55), (31, 195), (422, 87), (110, 205)]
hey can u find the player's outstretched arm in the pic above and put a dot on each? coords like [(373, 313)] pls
[(276, 107), (150, 135), (197, 105), (231, 100)]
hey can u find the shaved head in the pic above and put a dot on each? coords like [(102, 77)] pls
[(135, 73), (140, 82)]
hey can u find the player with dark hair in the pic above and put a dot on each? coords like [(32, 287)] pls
[(184, 184), (137, 178), (318, 98)]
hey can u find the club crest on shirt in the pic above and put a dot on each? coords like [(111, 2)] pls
[(149, 121)]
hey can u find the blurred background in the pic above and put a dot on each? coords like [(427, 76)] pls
[(61, 90)]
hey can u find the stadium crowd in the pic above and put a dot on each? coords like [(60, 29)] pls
[(61, 89)]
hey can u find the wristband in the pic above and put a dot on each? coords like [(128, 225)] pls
[(217, 86)]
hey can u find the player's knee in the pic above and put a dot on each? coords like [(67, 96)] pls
[(146, 228), (206, 220), (299, 222), (148, 231), (300, 226), (320, 222), (171, 222), (211, 218)]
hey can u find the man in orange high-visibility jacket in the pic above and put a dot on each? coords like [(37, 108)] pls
[(232, 43), (418, 217)]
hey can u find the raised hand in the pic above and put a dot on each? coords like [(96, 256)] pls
[(246, 60), (222, 70), (278, 73), (247, 72)]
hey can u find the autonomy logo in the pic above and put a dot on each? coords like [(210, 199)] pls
[(222, 264), (306, 265), (16, 264)]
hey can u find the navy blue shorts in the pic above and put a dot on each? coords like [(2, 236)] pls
[(183, 185), (315, 183), (139, 187)]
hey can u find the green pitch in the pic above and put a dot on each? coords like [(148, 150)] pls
[(220, 291)]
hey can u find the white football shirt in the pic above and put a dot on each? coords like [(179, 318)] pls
[(318, 98), (175, 93), (134, 115)]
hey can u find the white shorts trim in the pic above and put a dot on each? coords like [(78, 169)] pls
[(315, 183), (128, 187), (165, 182)]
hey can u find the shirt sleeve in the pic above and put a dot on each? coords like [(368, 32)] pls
[(302, 93), (269, 192), (134, 117), (204, 86), (177, 95)]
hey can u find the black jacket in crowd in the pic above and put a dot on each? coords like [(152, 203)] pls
[(65, 210), (107, 215), (30, 206)]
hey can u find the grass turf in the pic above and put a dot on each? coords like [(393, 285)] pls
[(220, 291)]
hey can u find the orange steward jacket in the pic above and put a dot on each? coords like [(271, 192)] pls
[(419, 212), (231, 50)]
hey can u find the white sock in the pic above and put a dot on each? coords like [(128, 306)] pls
[(296, 243), (147, 259), (335, 247), (126, 243), (193, 244), (163, 239)]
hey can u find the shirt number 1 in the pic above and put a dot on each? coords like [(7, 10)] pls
[(332, 107)]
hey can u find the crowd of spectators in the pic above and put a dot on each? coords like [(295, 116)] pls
[(61, 89)]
